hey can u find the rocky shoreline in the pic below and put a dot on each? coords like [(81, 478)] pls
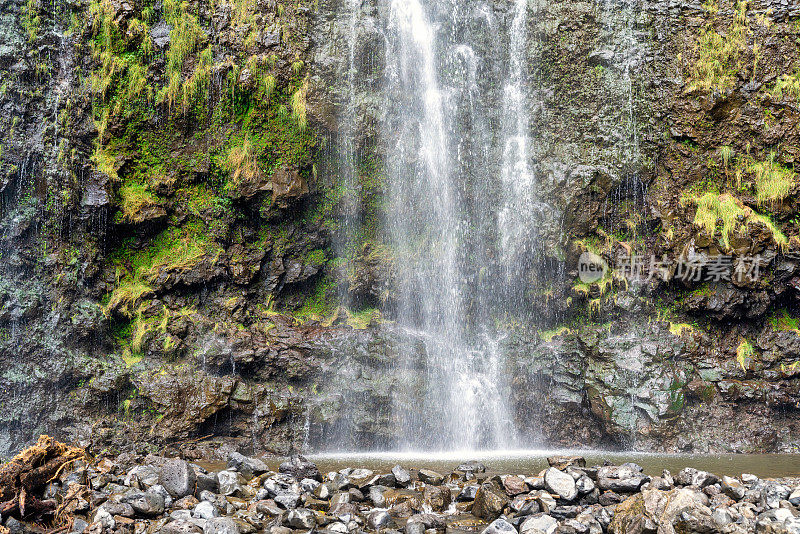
[(153, 494)]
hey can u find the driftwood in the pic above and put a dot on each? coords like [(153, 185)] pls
[(26, 476)]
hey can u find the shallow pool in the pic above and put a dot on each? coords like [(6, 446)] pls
[(532, 461)]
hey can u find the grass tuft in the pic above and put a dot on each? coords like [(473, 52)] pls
[(714, 209), (134, 198), (743, 352)]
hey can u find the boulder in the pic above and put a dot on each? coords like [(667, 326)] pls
[(246, 465), (584, 485), (401, 476), (540, 524), (500, 526), (627, 478), (142, 477), (733, 488), (228, 482), (301, 518), (489, 501), (662, 511), (560, 483), (471, 467), (221, 525), (562, 462), (437, 497), (300, 467), (514, 485), (147, 504), (178, 478), (467, 494), (205, 510), (694, 477), (430, 477)]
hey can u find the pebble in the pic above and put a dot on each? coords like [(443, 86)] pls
[(566, 498)]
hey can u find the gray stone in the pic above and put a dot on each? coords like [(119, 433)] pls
[(178, 478), (560, 483), (300, 467), (205, 510), (228, 482), (301, 518), (206, 482), (378, 519), (500, 526), (434, 521), (489, 501), (79, 525), (288, 500), (430, 477), (584, 485), (538, 524), (159, 32), (471, 467), (361, 477), (376, 496), (142, 477), (733, 488), (309, 485), (626, 478), (115, 508), (14, 526), (221, 525), (161, 490), (467, 493), (401, 475), (146, 504), (246, 465), (105, 519), (694, 477), (181, 527)]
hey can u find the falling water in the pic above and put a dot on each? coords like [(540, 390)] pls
[(452, 114), (439, 201)]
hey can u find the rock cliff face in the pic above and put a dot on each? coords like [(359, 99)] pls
[(181, 257)]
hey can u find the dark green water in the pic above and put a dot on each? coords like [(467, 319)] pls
[(531, 462)]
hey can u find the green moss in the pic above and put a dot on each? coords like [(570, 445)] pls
[(185, 38), (134, 198), (773, 182), (788, 86), (678, 329), (719, 55), (732, 217), (31, 19), (316, 257), (783, 321), (548, 335), (361, 320), (744, 352), (321, 303), (173, 250)]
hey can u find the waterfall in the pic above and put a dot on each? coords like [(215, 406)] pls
[(459, 209), (516, 174), (439, 199)]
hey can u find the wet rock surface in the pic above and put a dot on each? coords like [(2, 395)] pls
[(122, 495)]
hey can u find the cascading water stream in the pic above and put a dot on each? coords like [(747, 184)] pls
[(421, 192), (449, 117), (436, 122)]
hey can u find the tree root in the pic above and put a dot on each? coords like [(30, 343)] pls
[(26, 476)]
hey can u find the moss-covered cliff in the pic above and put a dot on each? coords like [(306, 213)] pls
[(186, 252)]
